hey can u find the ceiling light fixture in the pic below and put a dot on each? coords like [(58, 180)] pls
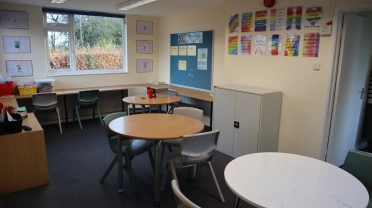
[(57, 1), (130, 4)]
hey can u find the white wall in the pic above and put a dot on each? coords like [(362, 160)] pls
[(38, 53), (304, 90)]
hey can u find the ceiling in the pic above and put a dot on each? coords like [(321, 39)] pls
[(157, 8)]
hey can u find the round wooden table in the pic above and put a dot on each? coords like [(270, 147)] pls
[(155, 127), (287, 180), (144, 100)]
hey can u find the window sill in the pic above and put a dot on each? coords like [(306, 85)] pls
[(85, 72)]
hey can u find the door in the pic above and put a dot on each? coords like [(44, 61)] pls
[(223, 118), (352, 72), (247, 113)]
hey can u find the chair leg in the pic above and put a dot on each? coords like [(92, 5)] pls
[(162, 154), (78, 117), (73, 116), (114, 161), (125, 165), (59, 120), (94, 113), (130, 172), (165, 171), (99, 115), (237, 201), (215, 181), (173, 171), (192, 172), (169, 148), (151, 160), (198, 169)]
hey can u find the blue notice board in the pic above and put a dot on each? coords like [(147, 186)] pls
[(198, 70)]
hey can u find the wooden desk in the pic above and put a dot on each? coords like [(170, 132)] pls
[(155, 127), (143, 100), (183, 91), (23, 161)]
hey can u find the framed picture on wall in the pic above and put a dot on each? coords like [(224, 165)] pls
[(144, 65), (144, 46), (16, 44), (19, 68), (144, 27), (14, 19)]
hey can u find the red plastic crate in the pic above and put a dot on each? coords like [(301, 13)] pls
[(6, 89)]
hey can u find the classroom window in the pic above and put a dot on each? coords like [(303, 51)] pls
[(81, 43)]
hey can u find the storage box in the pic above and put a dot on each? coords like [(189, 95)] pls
[(14, 126), (27, 90), (45, 85), (6, 89)]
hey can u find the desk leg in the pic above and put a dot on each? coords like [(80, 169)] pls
[(211, 118), (133, 108), (159, 110), (122, 104), (157, 173), (144, 109), (65, 102), (120, 166)]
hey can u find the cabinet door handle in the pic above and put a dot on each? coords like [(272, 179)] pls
[(236, 124)]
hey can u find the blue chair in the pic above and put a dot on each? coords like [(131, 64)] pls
[(87, 99), (359, 164)]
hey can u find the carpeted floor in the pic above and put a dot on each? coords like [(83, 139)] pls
[(78, 158)]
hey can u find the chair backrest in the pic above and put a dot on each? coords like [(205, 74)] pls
[(44, 101), (190, 112), (359, 164), (137, 91), (199, 144), (88, 98), (172, 92), (106, 121), (181, 199)]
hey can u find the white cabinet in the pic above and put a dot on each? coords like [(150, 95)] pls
[(248, 119)]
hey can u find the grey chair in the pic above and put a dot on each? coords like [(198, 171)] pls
[(46, 102), (184, 111), (87, 99), (132, 91), (195, 149), (130, 149), (181, 200)]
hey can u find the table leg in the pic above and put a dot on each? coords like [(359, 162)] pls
[(144, 109), (211, 118), (157, 173), (65, 102), (159, 110), (133, 108), (237, 201), (122, 96), (120, 165)]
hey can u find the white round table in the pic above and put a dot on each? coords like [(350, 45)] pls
[(288, 180)]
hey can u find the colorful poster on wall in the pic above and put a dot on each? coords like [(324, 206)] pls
[(292, 45), (311, 45), (259, 45), (313, 17), (247, 22), (276, 19), (234, 23), (19, 68), (294, 18), (186, 38), (275, 45), (202, 58), (260, 21), (245, 44), (233, 45)]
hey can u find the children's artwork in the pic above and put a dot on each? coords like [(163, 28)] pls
[(259, 45), (233, 45), (182, 50), (275, 45), (245, 44), (144, 46), (14, 19), (144, 65), (16, 44), (19, 68), (294, 18), (144, 27), (185, 38), (313, 17), (202, 58), (311, 45), (276, 19), (182, 65), (247, 22), (174, 50), (191, 50), (234, 23), (292, 45), (260, 21)]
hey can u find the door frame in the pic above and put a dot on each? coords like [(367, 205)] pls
[(332, 80)]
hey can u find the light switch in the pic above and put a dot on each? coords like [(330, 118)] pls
[(316, 66)]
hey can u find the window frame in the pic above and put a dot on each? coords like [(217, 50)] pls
[(70, 28)]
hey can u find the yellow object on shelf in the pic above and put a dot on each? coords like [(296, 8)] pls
[(27, 90)]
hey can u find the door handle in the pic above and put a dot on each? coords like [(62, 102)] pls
[(362, 93)]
